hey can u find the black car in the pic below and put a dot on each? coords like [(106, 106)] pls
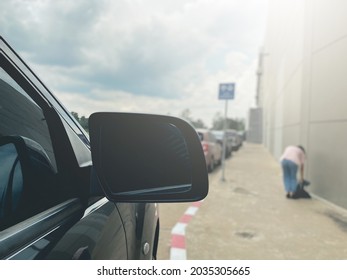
[(66, 194)]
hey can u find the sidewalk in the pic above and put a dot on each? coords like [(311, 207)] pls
[(248, 217)]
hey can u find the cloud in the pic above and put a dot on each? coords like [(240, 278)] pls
[(160, 52)]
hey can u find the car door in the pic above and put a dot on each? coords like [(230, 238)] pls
[(47, 208), (33, 209)]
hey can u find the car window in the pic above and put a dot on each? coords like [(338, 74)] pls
[(20, 115), (201, 136), (28, 167)]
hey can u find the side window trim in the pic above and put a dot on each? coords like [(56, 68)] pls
[(17, 238)]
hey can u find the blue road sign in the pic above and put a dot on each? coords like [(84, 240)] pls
[(226, 91)]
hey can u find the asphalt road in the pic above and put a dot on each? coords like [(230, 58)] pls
[(247, 217)]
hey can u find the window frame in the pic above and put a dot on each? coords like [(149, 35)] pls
[(21, 236)]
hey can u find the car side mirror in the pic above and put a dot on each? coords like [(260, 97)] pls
[(147, 158)]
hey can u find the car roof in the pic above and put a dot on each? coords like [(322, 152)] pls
[(202, 130)]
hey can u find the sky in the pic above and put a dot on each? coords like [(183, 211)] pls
[(143, 56)]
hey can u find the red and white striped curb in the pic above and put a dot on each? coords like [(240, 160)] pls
[(178, 241)]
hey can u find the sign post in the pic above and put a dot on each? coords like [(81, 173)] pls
[(226, 92)]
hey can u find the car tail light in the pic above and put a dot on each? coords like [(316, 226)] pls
[(205, 147)]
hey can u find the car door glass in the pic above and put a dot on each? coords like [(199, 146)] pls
[(28, 174), (20, 115)]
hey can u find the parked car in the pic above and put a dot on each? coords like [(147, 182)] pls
[(219, 134), (211, 147), (236, 139), (67, 195)]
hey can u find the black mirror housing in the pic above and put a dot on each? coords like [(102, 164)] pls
[(147, 158)]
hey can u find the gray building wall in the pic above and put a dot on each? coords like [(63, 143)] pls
[(304, 89), (255, 127)]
